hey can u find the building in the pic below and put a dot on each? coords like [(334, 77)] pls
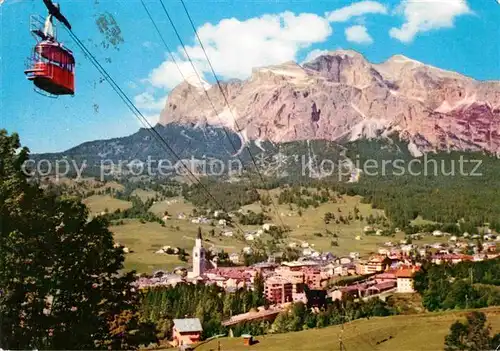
[(333, 269), (234, 258), (404, 280), (199, 260), (186, 331), (294, 275), (312, 278), (450, 258), (278, 290), (379, 288), (373, 265)]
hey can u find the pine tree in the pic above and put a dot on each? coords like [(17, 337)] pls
[(60, 287)]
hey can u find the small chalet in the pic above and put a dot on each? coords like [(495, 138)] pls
[(186, 331)]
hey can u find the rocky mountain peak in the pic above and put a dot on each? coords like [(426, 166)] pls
[(342, 96)]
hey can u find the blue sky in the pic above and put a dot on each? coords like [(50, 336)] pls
[(458, 35)]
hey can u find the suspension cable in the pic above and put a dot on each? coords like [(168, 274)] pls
[(225, 99), (137, 113)]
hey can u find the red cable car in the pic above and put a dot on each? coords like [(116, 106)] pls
[(51, 66)]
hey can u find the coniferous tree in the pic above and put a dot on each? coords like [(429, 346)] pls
[(59, 271)]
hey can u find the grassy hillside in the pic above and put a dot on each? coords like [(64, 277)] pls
[(311, 221), (144, 239), (100, 203), (413, 332)]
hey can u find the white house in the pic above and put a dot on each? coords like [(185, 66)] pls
[(234, 258), (249, 237), (307, 251), (437, 233), (346, 260), (267, 226), (404, 280), (353, 255), (222, 222)]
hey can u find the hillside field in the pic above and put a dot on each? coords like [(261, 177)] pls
[(101, 203), (144, 239), (400, 333)]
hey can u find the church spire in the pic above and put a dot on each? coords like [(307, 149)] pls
[(198, 257)]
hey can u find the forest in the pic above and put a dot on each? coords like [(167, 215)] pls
[(230, 196), (212, 305), (462, 285), (209, 303)]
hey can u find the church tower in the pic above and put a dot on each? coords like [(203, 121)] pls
[(198, 256)]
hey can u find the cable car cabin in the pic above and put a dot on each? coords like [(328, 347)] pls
[(52, 68)]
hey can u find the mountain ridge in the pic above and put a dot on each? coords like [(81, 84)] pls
[(341, 96)]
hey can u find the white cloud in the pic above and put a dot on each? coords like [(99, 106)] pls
[(149, 102), (358, 34), (150, 107), (167, 75), (236, 47), (153, 119), (314, 54), (355, 10), (426, 15)]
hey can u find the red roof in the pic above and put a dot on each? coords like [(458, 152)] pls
[(383, 286), (406, 272)]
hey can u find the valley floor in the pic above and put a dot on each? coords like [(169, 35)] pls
[(424, 331)]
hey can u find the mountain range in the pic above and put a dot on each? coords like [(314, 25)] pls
[(315, 109), (340, 96)]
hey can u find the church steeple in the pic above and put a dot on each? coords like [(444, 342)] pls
[(198, 256)]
